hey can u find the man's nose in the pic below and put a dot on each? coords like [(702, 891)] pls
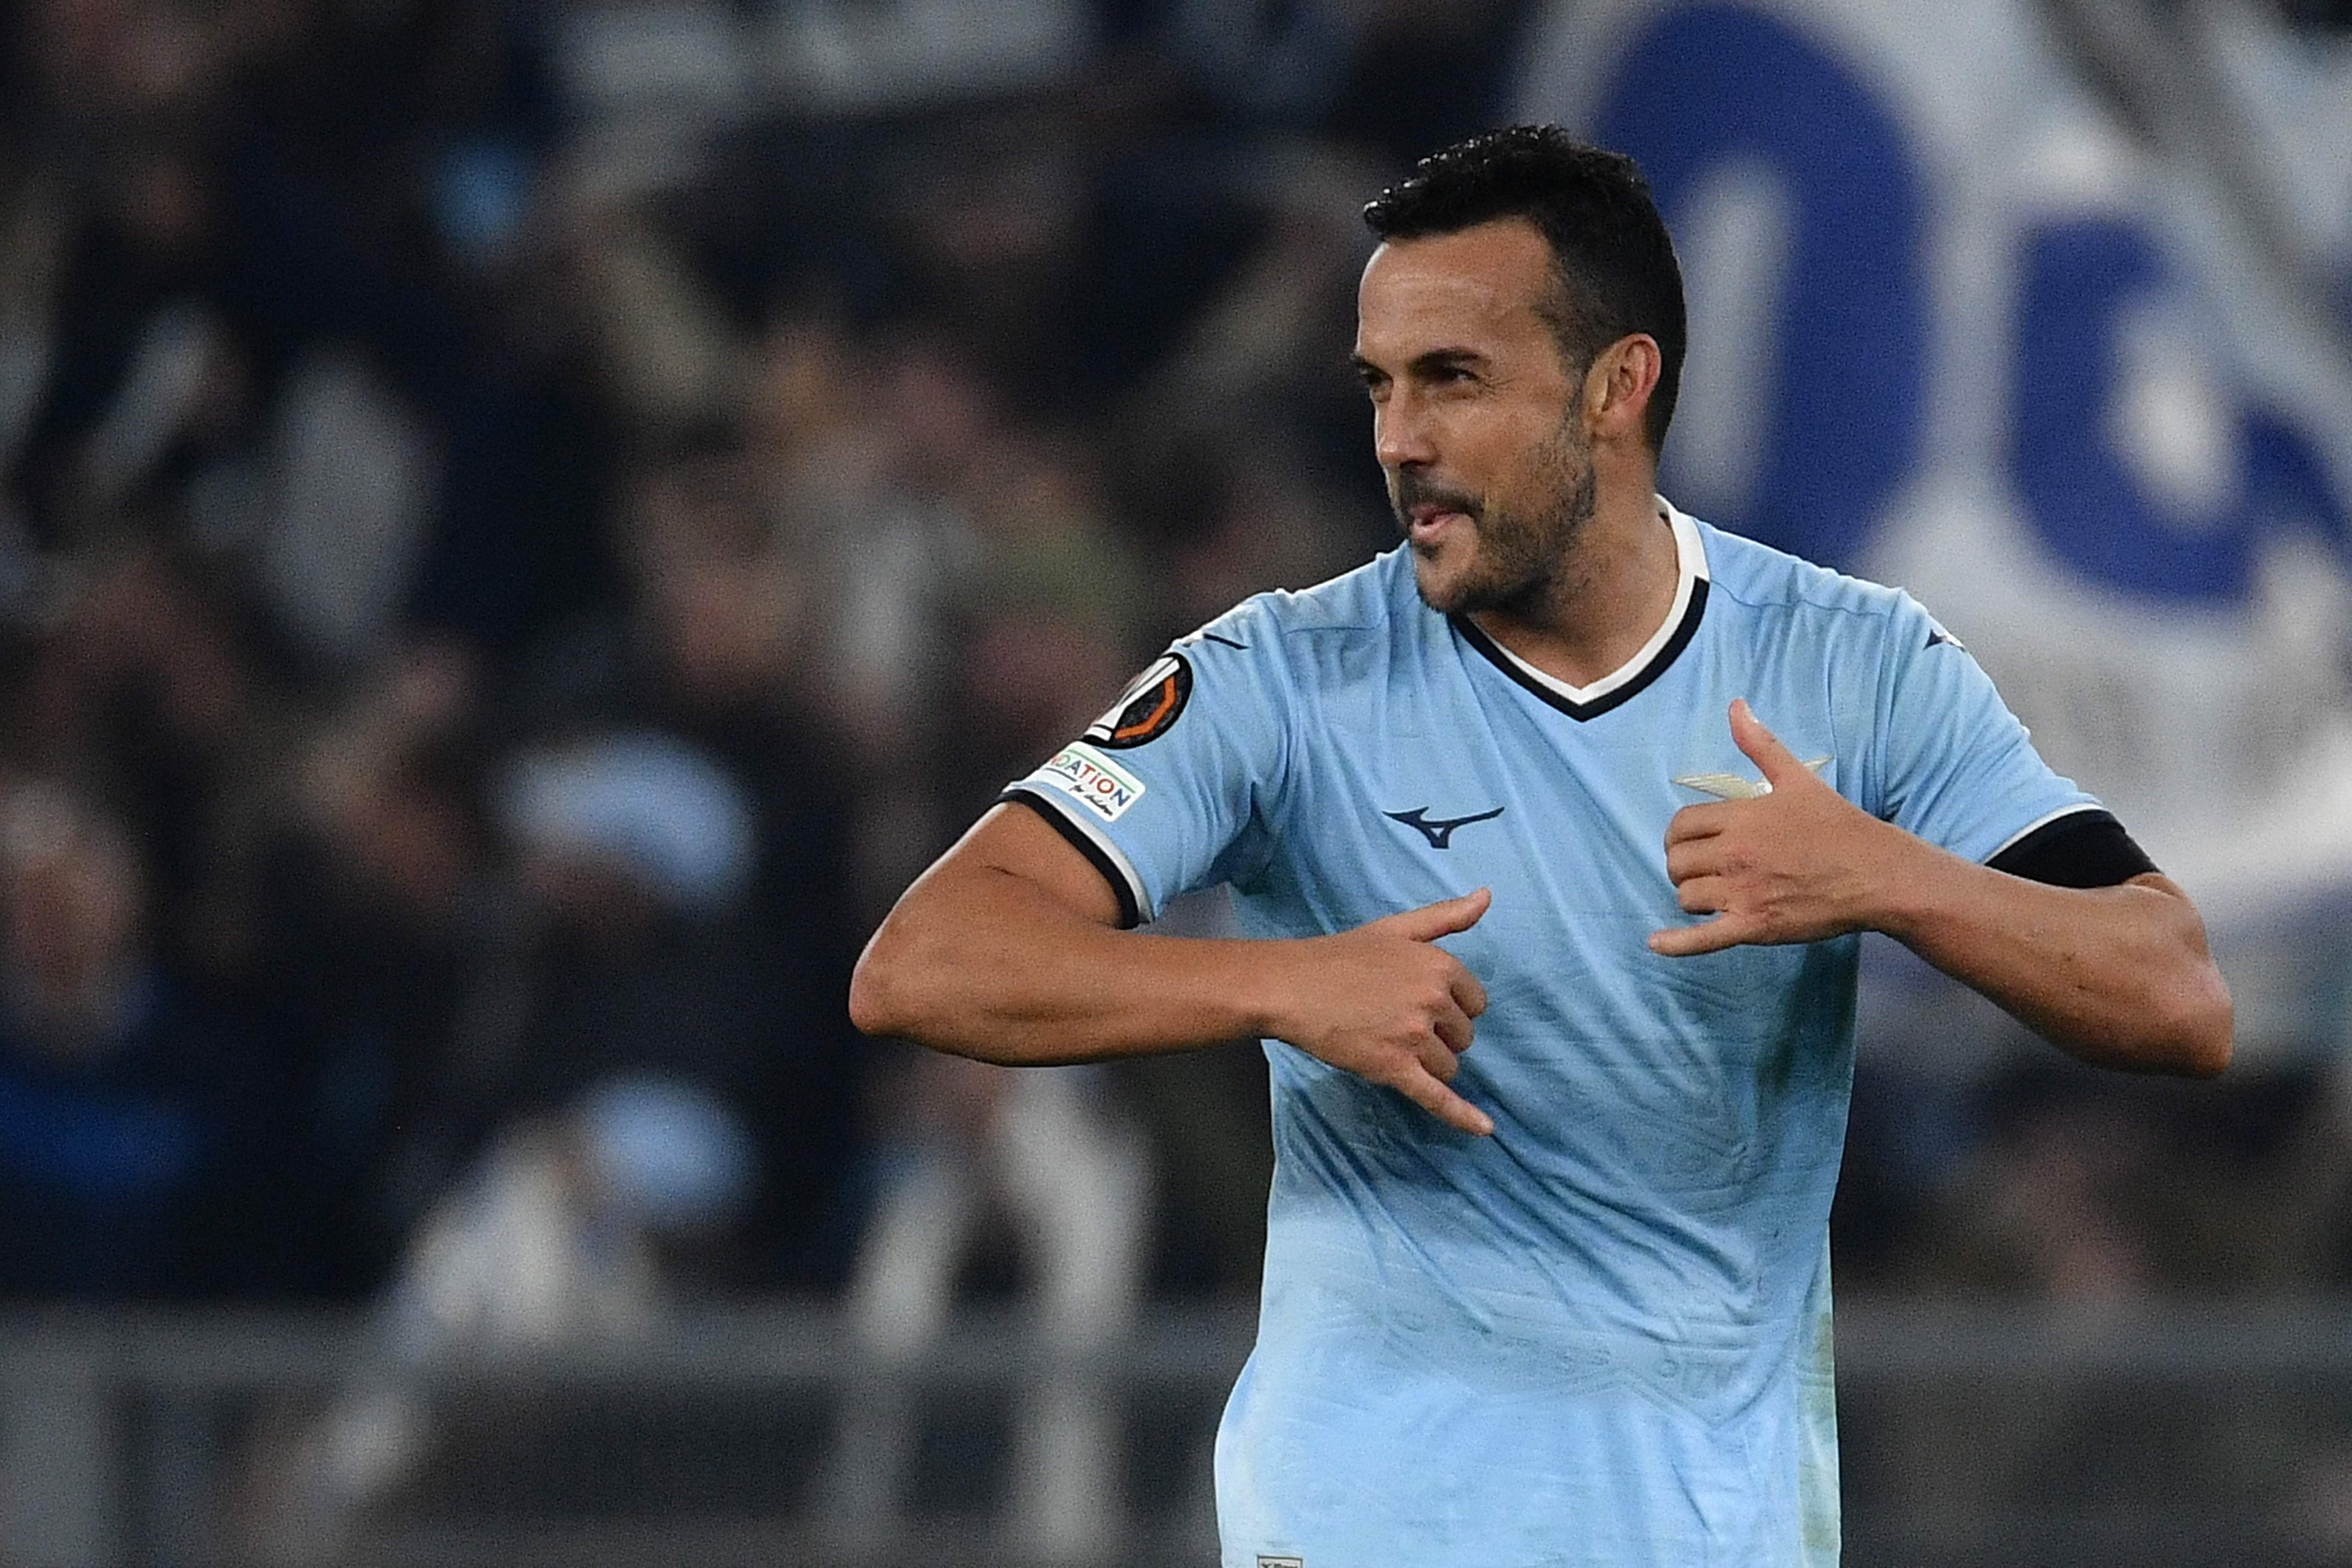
[(1401, 433)]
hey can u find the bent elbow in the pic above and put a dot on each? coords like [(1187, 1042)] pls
[(2210, 1035), (906, 987), (2195, 1020), (879, 999), (2195, 1026), (866, 1003), (870, 1006), (2179, 1027)]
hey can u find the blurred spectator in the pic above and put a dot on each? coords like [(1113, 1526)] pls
[(711, 656), (636, 853), (653, 1104), (2087, 1191), (382, 935), (1044, 1157), (633, 956), (142, 1131), (137, 675)]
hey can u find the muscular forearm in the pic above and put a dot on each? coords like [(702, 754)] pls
[(1007, 951), (995, 967), (2118, 976)]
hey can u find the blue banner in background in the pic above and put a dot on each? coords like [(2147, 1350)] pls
[(1953, 328), (1844, 383)]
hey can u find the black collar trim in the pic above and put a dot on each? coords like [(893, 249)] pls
[(1659, 663)]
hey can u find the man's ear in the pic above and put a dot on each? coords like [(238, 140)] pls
[(1617, 388)]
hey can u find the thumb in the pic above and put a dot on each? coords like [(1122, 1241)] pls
[(1443, 917), (1764, 748)]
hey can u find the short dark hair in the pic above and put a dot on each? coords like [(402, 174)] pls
[(1610, 251)]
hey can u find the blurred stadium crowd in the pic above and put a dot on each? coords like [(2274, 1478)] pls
[(487, 632), (497, 597)]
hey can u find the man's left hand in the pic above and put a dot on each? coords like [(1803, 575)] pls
[(1798, 864)]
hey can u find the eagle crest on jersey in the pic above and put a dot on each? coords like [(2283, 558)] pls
[(1731, 787), (1148, 706)]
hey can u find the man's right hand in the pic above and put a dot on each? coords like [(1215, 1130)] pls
[(1385, 1003), (1008, 951)]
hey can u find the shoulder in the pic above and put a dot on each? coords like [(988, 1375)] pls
[(1362, 600), (1299, 629), (1786, 592)]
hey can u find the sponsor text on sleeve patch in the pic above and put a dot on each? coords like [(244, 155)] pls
[(1092, 779)]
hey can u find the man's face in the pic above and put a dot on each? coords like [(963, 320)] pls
[(1478, 416)]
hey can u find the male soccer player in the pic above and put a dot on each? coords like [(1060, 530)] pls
[(1562, 1299)]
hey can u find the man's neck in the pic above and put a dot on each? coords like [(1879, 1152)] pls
[(1613, 591)]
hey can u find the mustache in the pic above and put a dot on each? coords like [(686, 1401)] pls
[(1413, 490)]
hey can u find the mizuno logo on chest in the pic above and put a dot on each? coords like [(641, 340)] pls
[(1439, 833)]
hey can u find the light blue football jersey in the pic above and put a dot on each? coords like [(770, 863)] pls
[(1602, 1336)]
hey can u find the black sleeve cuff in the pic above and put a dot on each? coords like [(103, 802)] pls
[(1130, 914), (2080, 850)]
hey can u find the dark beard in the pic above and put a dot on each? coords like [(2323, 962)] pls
[(1518, 559)]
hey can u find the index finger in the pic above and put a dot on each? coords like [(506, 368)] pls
[(1423, 1088), (1706, 936)]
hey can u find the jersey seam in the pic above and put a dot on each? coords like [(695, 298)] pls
[(1888, 613), (1793, 597), (1882, 717), (1294, 744), (1287, 709), (1374, 626)]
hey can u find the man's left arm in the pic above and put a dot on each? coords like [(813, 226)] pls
[(2116, 975)]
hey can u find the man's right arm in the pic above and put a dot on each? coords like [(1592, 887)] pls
[(1008, 949)]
